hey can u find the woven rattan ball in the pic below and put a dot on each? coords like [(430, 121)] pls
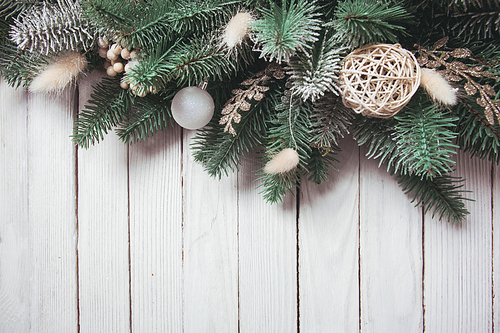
[(379, 80)]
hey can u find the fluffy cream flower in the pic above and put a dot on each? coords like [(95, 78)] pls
[(63, 70), (237, 29), (437, 87), (286, 160)]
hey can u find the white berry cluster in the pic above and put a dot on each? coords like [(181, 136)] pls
[(118, 58)]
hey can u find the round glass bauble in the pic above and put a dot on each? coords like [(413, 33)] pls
[(192, 107)]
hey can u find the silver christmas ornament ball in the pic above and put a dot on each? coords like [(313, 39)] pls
[(192, 107)]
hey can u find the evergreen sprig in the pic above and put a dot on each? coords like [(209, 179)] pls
[(331, 120), (360, 22), (289, 128), (19, 67), (150, 115), (221, 152), (315, 71), (108, 105), (424, 135), (284, 30), (52, 28), (186, 63), (443, 195)]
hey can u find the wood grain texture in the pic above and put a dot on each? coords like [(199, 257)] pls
[(210, 248), (52, 212), (458, 289), (156, 233), (390, 254), (103, 232), (15, 245), (267, 258), (328, 242), (495, 200)]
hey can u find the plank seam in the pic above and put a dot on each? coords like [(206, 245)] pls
[(183, 202), (297, 218), (423, 268), (492, 248), (238, 244), (359, 238), (77, 108), (128, 232)]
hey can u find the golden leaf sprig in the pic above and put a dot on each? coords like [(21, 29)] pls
[(455, 70), (242, 97)]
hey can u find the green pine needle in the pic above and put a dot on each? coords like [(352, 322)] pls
[(150, 115), (284, 30), (443, 195), (360, 22), (109, 104)]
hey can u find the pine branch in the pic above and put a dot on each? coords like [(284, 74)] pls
[(19, 67), (315, 71), (331, 120), (475, 134), (360, 22), (424, 135), (284, 30), (221, 152), (190, 63), (443, 195), (150, 115), (108, 106), (52, 28), (146, 23), (319, 165), (290, 128)]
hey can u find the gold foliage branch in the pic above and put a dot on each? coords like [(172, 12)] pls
[(455, 71), (257, 86)]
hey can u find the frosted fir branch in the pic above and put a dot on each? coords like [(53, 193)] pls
[(52, 28), (315, 71)]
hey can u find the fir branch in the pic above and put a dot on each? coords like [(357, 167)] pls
[(108, 106), (331, 120), (150, 115), (189, 63), (290, 128), (319, 165), (221, 152), (378, 134), (475, 134), (360, 22), (443, 195), (52, 28), (284, 30), (19, 67), (314, 72), (424, 135)]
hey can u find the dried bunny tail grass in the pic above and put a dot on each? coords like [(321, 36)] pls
[(437, 87), (237, 29), (285, 161), (63, 70)]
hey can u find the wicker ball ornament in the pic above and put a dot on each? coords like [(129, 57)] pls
[(379, 80)]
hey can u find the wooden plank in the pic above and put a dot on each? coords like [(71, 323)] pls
[(328, 242), (52, 212), (390, 254), (267, 259), (210, 248), (458, 283), (156, 233), (103, 232), (15, 245), (496, 246)]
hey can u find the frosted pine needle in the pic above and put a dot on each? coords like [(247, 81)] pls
[(59, 73), (52, 27), (237, 29), (286, 160), (437, 87)]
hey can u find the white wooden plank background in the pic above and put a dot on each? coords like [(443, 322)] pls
[(138, 238)]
